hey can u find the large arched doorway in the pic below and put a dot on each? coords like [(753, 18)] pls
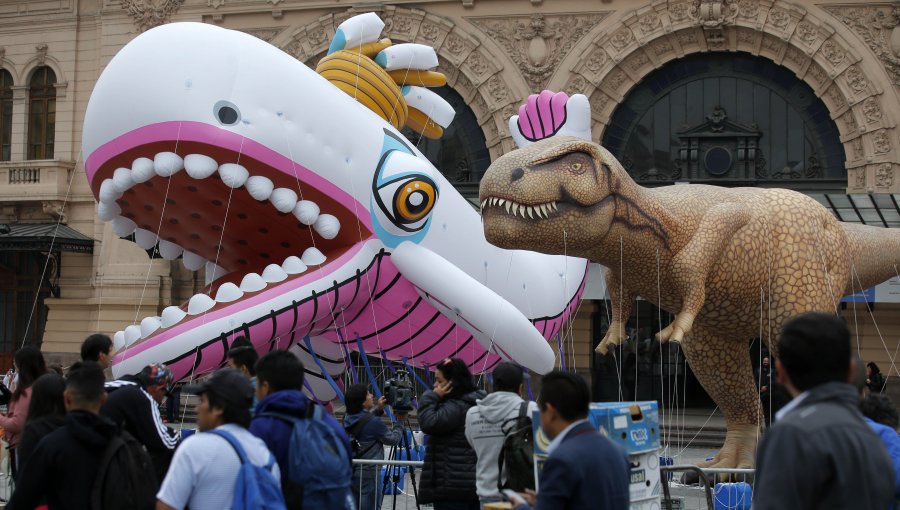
[(730, 119), (727, 119)]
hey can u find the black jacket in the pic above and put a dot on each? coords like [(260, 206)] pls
[(63, 466), (449, 470), (134, 410), (822, 455), (35, 430)]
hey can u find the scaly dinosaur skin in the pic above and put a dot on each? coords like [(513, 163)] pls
[(732, 264)]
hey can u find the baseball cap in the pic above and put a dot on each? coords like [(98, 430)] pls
[(228, 384)]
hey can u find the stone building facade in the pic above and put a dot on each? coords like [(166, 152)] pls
[(494, 53)]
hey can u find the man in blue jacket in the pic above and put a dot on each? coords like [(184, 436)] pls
[(279, 389), (584, 469), (369, 435)]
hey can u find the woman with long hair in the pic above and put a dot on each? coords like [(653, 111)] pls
[(46, 413), (448, 476), (29, 364)]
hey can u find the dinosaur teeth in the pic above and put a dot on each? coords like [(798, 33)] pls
[(483, 203), (530, 212), (507, 205), (553, 205), (515, 208)]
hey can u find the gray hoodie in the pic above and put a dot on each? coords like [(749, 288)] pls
[(483, 422)]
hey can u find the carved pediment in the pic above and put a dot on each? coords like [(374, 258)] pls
[(718, 124)]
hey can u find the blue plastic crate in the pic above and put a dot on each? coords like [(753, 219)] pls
[(733, 496), (632, 425)]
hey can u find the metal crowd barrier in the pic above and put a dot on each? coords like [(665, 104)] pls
[(707, 480)]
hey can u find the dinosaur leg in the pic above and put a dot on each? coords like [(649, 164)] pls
[(621, 310), (692, 265), (722, 365)]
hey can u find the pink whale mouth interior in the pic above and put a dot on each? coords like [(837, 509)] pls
[(227, 226)]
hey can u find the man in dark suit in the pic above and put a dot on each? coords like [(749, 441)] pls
[(584, 469)]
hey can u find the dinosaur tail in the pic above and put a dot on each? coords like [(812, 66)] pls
[(874, 253)]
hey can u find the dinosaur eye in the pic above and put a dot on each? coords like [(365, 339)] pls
[(576, 167), (414, 199)]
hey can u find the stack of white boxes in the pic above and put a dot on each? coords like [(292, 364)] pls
[(635, 427)]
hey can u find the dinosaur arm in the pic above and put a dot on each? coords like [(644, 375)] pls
[(620, 299), (692, 265)]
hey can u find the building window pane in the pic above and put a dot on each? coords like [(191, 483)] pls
[(6, 95), (42, 114)]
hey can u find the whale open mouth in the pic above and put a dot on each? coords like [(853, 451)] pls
[(251, 217)]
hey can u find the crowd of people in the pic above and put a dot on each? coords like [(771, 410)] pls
[(79, 441)]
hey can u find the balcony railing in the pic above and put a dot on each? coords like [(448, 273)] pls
[(34, 180)]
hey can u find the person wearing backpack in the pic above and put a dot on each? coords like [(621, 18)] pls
[(87, 463), (224, 466), (368, 437), (311, 447), (500, 423), (448, 475)]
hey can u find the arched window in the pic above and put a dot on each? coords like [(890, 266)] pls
[(6, 96), (42, 114)]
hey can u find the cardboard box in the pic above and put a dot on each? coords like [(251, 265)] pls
[(644, 480), (632, 425), (650, 504)]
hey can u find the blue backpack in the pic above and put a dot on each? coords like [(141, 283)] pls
[(318, 460), (256, 487)]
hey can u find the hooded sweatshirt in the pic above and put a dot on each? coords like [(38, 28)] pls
[(374, 431), (64, 464), (484, 432)]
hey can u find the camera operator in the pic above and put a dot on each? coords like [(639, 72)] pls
[(368, 437)]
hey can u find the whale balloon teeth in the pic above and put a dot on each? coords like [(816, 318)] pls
[(149, 325), (145, 239), (122, 180), (142, 170), (108, 191), (107, 211), (192, 261), (132, 334), (169, 250), (213, 272), (260, 187), (228, 292), (293, 265), (200, 303), (306, 212), (312, 257), (123, 226), (119, 340), (200, 166), (284, 199), (252, 282), (327, 226), (233, 175), (172, 315), (167, 164), (273, 273)]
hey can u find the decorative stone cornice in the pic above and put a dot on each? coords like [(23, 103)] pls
[(150, 13), (879, 27)]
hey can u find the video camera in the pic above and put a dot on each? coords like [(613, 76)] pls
[(398, 392)]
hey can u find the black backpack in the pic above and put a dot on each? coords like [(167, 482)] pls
[(517, 453), (354, 431), (125, 479)]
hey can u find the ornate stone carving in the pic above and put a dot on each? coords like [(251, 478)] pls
[(599, 101), (849, 122), (837, 99), (55, 209), (266, 34), (855, 79), (497, 88), (679, 12), (615, 79), (622, 38), (748, 8), (746, 36), (882, 142), (649, 22), (884, 176), (772, 44), (714, 13), (807, 32), (455, 44), (860, 180), (150, 13), (41, 53), (871, 110), (661, 46), (832, 52), (596, 60), (317, 36), (477, 64), (795, 56), (429, 31), (857, 148), (878, 26), (638, 60), (537, 43), (687, 38), (779, 18), (577, 85)]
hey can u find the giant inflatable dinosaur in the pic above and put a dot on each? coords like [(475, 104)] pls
[(321, 227), (727, 262)]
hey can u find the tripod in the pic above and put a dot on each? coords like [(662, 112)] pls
[(395, 473)]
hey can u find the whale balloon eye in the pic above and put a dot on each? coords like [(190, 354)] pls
[(414, 199), (226, 113)]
